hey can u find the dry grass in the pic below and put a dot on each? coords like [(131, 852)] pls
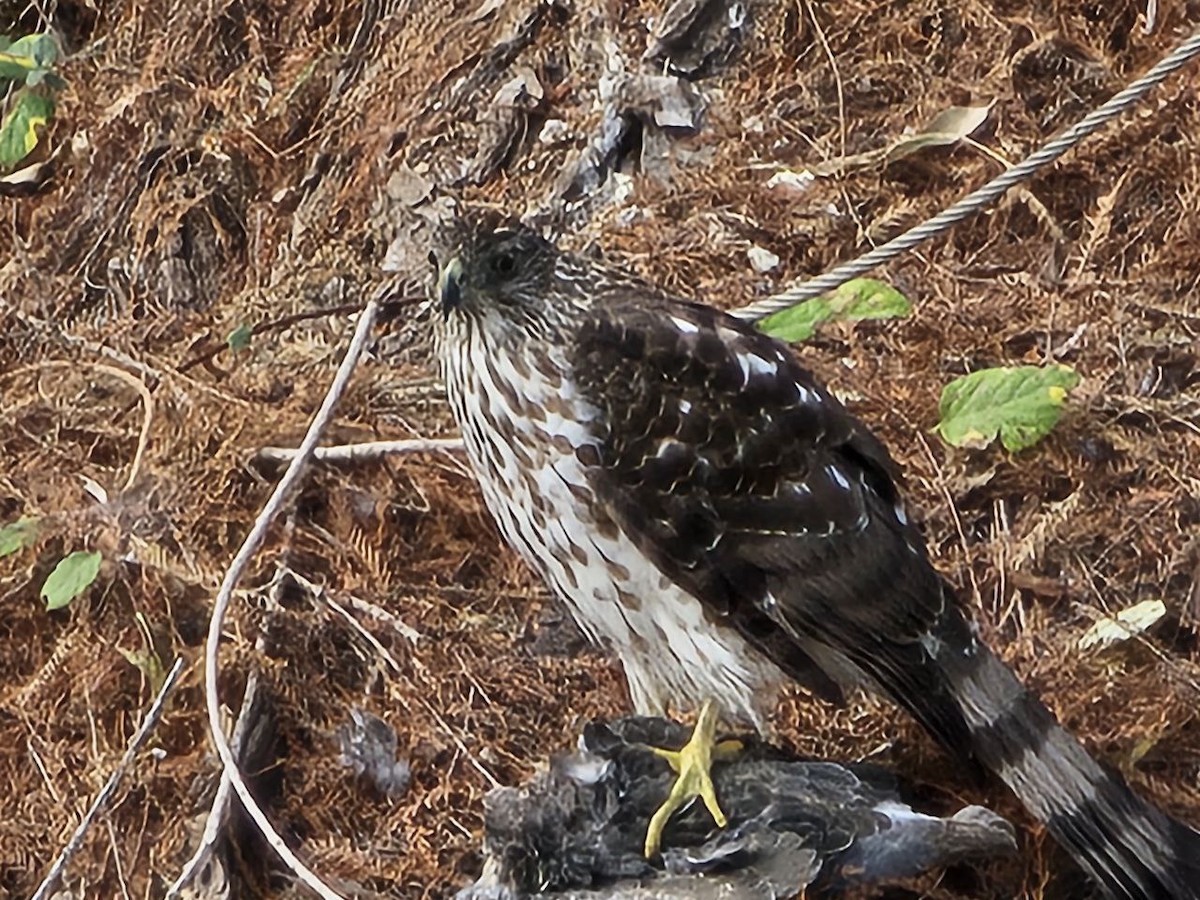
[(230, 164)]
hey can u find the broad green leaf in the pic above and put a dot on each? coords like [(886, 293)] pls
[(41, 48), (867, 298), (18, 535), (1021, 404), (28, 54), (19, 130), (52, 81), (857, 299), (239, 338), (70, 578), (14, 68), (1124, 625), (798, 323)]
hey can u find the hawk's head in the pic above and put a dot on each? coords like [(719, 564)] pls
[(507, 272)]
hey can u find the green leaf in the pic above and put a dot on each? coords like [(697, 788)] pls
[(948, 127), (868, 298), (70, 578), (18, 535), (857, 299), (31, 53), (148, 663), (147, 660), (41, 48), (239, 338), (19, 130), (1021, 404), (798, 323), (52, 81)]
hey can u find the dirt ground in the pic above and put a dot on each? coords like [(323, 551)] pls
[(270, 165)]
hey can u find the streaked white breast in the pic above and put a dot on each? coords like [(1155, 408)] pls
[(538, 491)]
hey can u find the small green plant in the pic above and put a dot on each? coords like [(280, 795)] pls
[(239, 338), (146, 660), (72, 576), (28, 79), (18, 535), (853, 301), (1020, 404)]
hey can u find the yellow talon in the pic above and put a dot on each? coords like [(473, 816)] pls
[(693, 765)]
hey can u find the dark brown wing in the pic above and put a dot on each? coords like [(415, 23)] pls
[(747, 482), (750, 485)]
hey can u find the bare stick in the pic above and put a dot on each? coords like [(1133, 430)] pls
[(378, 613), (149, 721), (353, 453), (147, 417), (276, 502)]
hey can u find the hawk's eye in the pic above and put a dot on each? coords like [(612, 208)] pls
[(504, 264)]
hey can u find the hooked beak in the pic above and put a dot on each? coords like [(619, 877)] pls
[(449, 286)]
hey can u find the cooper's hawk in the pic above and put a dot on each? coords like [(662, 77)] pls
[(712, 513)]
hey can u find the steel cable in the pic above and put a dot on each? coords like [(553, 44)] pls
[(982, 197)]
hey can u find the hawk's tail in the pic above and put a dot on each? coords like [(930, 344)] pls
[(1130, 847)]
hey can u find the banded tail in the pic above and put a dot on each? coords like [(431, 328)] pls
[(1131, 848)]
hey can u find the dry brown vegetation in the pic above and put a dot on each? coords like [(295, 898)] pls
[(235, 163)]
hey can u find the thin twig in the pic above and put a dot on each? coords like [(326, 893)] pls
[(149, 373), (41, 767), (216, 347), (379, 614), (124, 359), (355, 453), (320, 592), (275, 503), (837, 80), (362, 632), (458, 742), (944, 486), (386, 296), (149, 721), (115, 847), (147, 417)]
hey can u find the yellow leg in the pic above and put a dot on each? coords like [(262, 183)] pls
[(692, 764)]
